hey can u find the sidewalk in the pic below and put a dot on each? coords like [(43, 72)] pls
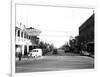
[(76, 54), (28, 58), (72, 54)]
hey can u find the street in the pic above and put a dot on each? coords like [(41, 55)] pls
[(53, 39), (54, 63)]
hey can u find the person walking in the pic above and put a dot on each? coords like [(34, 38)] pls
[(19, 51)]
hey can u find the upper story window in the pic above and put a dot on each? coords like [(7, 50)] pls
[(15, 32), (19, 33), (24, 35), (27, 36)]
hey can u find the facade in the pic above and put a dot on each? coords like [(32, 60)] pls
[(86, 31), (25, 38)]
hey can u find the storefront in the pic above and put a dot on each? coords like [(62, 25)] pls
[(24, 39)]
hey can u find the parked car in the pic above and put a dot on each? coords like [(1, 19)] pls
[(35, 53), (85, 53), (90, 48)]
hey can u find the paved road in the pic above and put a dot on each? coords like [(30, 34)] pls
[(61, 52), (52, 63)]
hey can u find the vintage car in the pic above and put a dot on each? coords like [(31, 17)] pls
[(35, 53)]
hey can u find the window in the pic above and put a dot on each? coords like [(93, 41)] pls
[(19, 33), (27, 36), (35, 50), (24, 35), (30, 37)]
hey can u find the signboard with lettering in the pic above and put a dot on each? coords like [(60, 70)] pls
[(33, 32)]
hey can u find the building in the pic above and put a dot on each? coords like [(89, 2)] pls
[(73, 44), (26, 38), (86, 31)]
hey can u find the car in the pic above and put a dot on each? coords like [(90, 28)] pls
[(35, 53), (90, 48), (85, 53)]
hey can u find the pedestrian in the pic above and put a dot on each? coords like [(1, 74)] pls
[(20, 55), (19, 51)]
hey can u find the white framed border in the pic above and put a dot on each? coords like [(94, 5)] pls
[(37, 3)]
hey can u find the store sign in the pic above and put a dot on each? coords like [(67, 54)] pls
[(33, 32)]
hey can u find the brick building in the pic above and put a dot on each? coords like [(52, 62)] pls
[(86, 31)]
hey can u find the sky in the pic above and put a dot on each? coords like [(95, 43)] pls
[(57, 24)]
